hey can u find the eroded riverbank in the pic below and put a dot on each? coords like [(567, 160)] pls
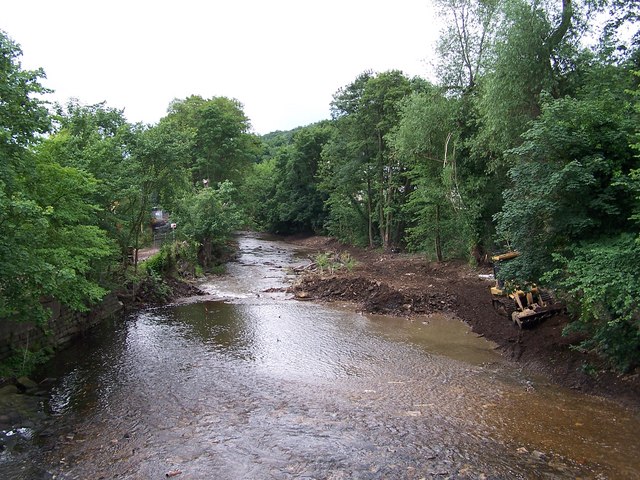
[(407, 285)]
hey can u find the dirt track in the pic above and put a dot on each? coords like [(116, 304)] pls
[(405, 285)]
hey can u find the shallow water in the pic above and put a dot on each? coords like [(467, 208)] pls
[(249, 384)]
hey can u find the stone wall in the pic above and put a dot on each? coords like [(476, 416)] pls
[(63, 326)]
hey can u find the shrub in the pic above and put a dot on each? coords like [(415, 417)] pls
[(602, 286)]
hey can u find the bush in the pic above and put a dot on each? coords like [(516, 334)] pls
[(24, 361), (602, 285), (333, 261), (162, 262)]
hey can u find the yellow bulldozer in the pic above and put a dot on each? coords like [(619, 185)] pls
[(525, 306)]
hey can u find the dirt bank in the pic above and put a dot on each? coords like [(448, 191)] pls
[(406, 285)]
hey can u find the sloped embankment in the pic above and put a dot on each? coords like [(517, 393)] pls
[(372, 296)]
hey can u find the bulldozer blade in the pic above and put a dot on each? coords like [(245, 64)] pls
[(533, 316)]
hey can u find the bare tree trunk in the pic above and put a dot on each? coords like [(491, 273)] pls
[(389, 214), (565, 22), (438, 239), (381, 222), (369, 212), (382, 202)]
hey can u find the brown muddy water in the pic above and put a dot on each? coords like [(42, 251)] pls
[(245, 384)]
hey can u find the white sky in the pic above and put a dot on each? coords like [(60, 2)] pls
[(283, 59)]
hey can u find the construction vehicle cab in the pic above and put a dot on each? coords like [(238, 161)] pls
[(526, 306)]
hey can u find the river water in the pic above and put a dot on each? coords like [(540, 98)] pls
[(249, 384)]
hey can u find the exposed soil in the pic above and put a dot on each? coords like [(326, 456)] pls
[(407, 284)]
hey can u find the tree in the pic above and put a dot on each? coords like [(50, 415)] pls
[(364, 170), (528, 57), (426, 141), (23, 116), (158, 173), (464, 45), (600, 278), (258, 193), (208, 218), (98, 140), (49, 247), (298, 201), (564, 178), (344, 181), (600, 272), (573, 199), (222, 147)]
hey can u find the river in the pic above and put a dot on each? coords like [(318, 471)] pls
[(246, 383)]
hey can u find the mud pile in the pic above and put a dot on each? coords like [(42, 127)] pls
[(372, 296)]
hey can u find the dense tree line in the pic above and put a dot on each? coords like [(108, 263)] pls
[(527, 141), (78, 184)]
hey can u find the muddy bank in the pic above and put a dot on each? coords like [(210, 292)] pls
[(154, 292), (406, 285), (177, 279)]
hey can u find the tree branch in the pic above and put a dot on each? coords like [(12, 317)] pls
[(558, 34)]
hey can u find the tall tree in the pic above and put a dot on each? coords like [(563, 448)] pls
[(98, 140), (526, 61), (426, 141), (464, 45), (208, 217), (49, 247), (300, 204), (364, 170), (223, 148)]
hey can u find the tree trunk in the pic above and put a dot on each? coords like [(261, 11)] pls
[(381, 222), (565, 22), (369, 212), (438, 240), (205, 252), (389, 203), (553, 41), (382, 201)]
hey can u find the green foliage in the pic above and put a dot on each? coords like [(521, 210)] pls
[(464, 44), (331, 262), (527, 59), (153, 288), (563, 180), (98, 141), (163, 262), (49, 244), (208, 218), (323, 261), (359, 164), (282, 192), (347, 261), (346, 221), (258, 193), (23, 116), (439, 215), (601, 281), (137, 167), (23, 362), (298, 202), (158, 153), (177, 259), (222, 147)]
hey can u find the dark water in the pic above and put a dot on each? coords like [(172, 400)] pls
[(246, 384)]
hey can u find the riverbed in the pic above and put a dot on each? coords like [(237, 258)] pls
[(248, 383)]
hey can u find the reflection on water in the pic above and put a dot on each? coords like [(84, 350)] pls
[(284, 339), (438, 334), (253, 385)]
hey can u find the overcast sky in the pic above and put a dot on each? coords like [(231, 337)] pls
[(283, 59)]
